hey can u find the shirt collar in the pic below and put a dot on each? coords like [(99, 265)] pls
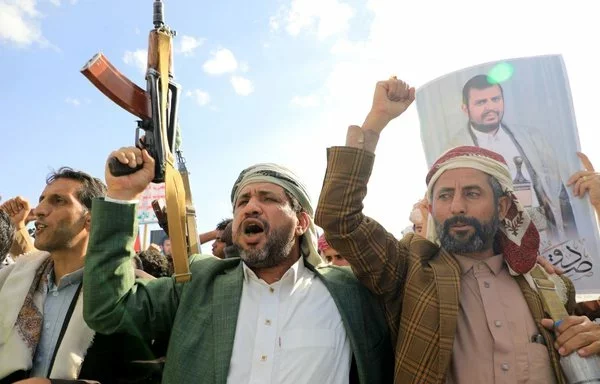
[(74, 277), (292, 275), (494, 263)]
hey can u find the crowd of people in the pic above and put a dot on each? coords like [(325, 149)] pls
[(456, 300)]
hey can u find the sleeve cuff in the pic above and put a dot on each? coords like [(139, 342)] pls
[(111, 200)]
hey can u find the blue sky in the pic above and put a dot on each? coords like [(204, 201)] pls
[(275, 81)]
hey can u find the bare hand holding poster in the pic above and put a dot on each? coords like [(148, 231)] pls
[(522, 109)]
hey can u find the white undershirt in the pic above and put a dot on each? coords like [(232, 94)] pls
[(501, 143), (289, 332)]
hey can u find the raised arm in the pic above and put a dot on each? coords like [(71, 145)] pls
[(377, 258), (113, 300)]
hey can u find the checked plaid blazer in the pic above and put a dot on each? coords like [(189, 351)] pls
[(199, 317), (417, 281)]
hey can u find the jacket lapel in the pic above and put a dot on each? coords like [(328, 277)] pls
[(226, 305), (447, 279)]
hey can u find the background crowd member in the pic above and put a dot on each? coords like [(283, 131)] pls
[(218, 245), (7, 234), (43, 332), (155, 263), (268, 316), (20, 214), (330, 255)]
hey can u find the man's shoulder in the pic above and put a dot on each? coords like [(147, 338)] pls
[(208, 264), (341, 275)]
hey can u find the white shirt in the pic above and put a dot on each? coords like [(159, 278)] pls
[(289, 332), (501, 143)]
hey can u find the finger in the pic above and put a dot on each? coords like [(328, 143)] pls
[(120, 156), (548, 324), (412, 94), (578, 175), (580, 340), (585, 187), (589, 350), (572, 326), (13, 207), (587, 164), (577, 185), (148, 161)]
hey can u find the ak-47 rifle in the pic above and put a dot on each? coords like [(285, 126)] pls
[(157, 109)]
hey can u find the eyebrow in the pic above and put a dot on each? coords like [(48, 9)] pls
[(53, 195), (260, 193), (466, 187)]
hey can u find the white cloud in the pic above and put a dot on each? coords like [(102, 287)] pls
[(324, 17), (73, 2), (305, 101), (188, 44), (19, 23), (202, 98), (74, 102), (222, 61), (137, 58), (56, 3), (241, 85)]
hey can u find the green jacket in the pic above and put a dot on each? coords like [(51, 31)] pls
[(199, 317)]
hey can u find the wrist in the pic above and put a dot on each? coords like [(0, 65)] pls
[(376, 121), (122, 195)]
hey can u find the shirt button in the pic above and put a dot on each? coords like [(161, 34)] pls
[(55, 293), (505, 366), (486, 284), (498, 323), (47, 326), (263, 358), (271, 289), (267, 322)]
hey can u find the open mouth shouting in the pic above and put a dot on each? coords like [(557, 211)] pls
[(39, 227), (253, 231)]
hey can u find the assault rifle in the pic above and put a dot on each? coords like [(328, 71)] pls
[(156, 107)]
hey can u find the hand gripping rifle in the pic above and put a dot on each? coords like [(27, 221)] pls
[(157, 109)]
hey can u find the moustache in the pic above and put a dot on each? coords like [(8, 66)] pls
[(463, 220)]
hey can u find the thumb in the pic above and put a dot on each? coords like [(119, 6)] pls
[(548, 324), (148, 161), (587, 164)]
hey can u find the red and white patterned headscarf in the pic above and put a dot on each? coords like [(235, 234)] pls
[(518, 238)]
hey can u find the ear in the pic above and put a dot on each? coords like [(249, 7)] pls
[(430, 209), (503, 206), (465, 109), (303, 223), (88, 221)]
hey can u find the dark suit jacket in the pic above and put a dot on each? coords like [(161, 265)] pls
[(201, 315), (418, 282)]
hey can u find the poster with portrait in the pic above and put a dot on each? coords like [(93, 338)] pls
[(522, 109)]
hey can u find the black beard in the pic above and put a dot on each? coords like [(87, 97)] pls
[(482, 239), (485, 128), (276, 250)]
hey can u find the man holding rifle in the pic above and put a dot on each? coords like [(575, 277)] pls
[(270, 316)]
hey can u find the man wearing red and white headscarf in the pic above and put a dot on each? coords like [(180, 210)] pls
[(330, 255), (461, 303)]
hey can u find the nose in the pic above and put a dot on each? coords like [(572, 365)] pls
[(41, 210), (458, 206), (252, 207)]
